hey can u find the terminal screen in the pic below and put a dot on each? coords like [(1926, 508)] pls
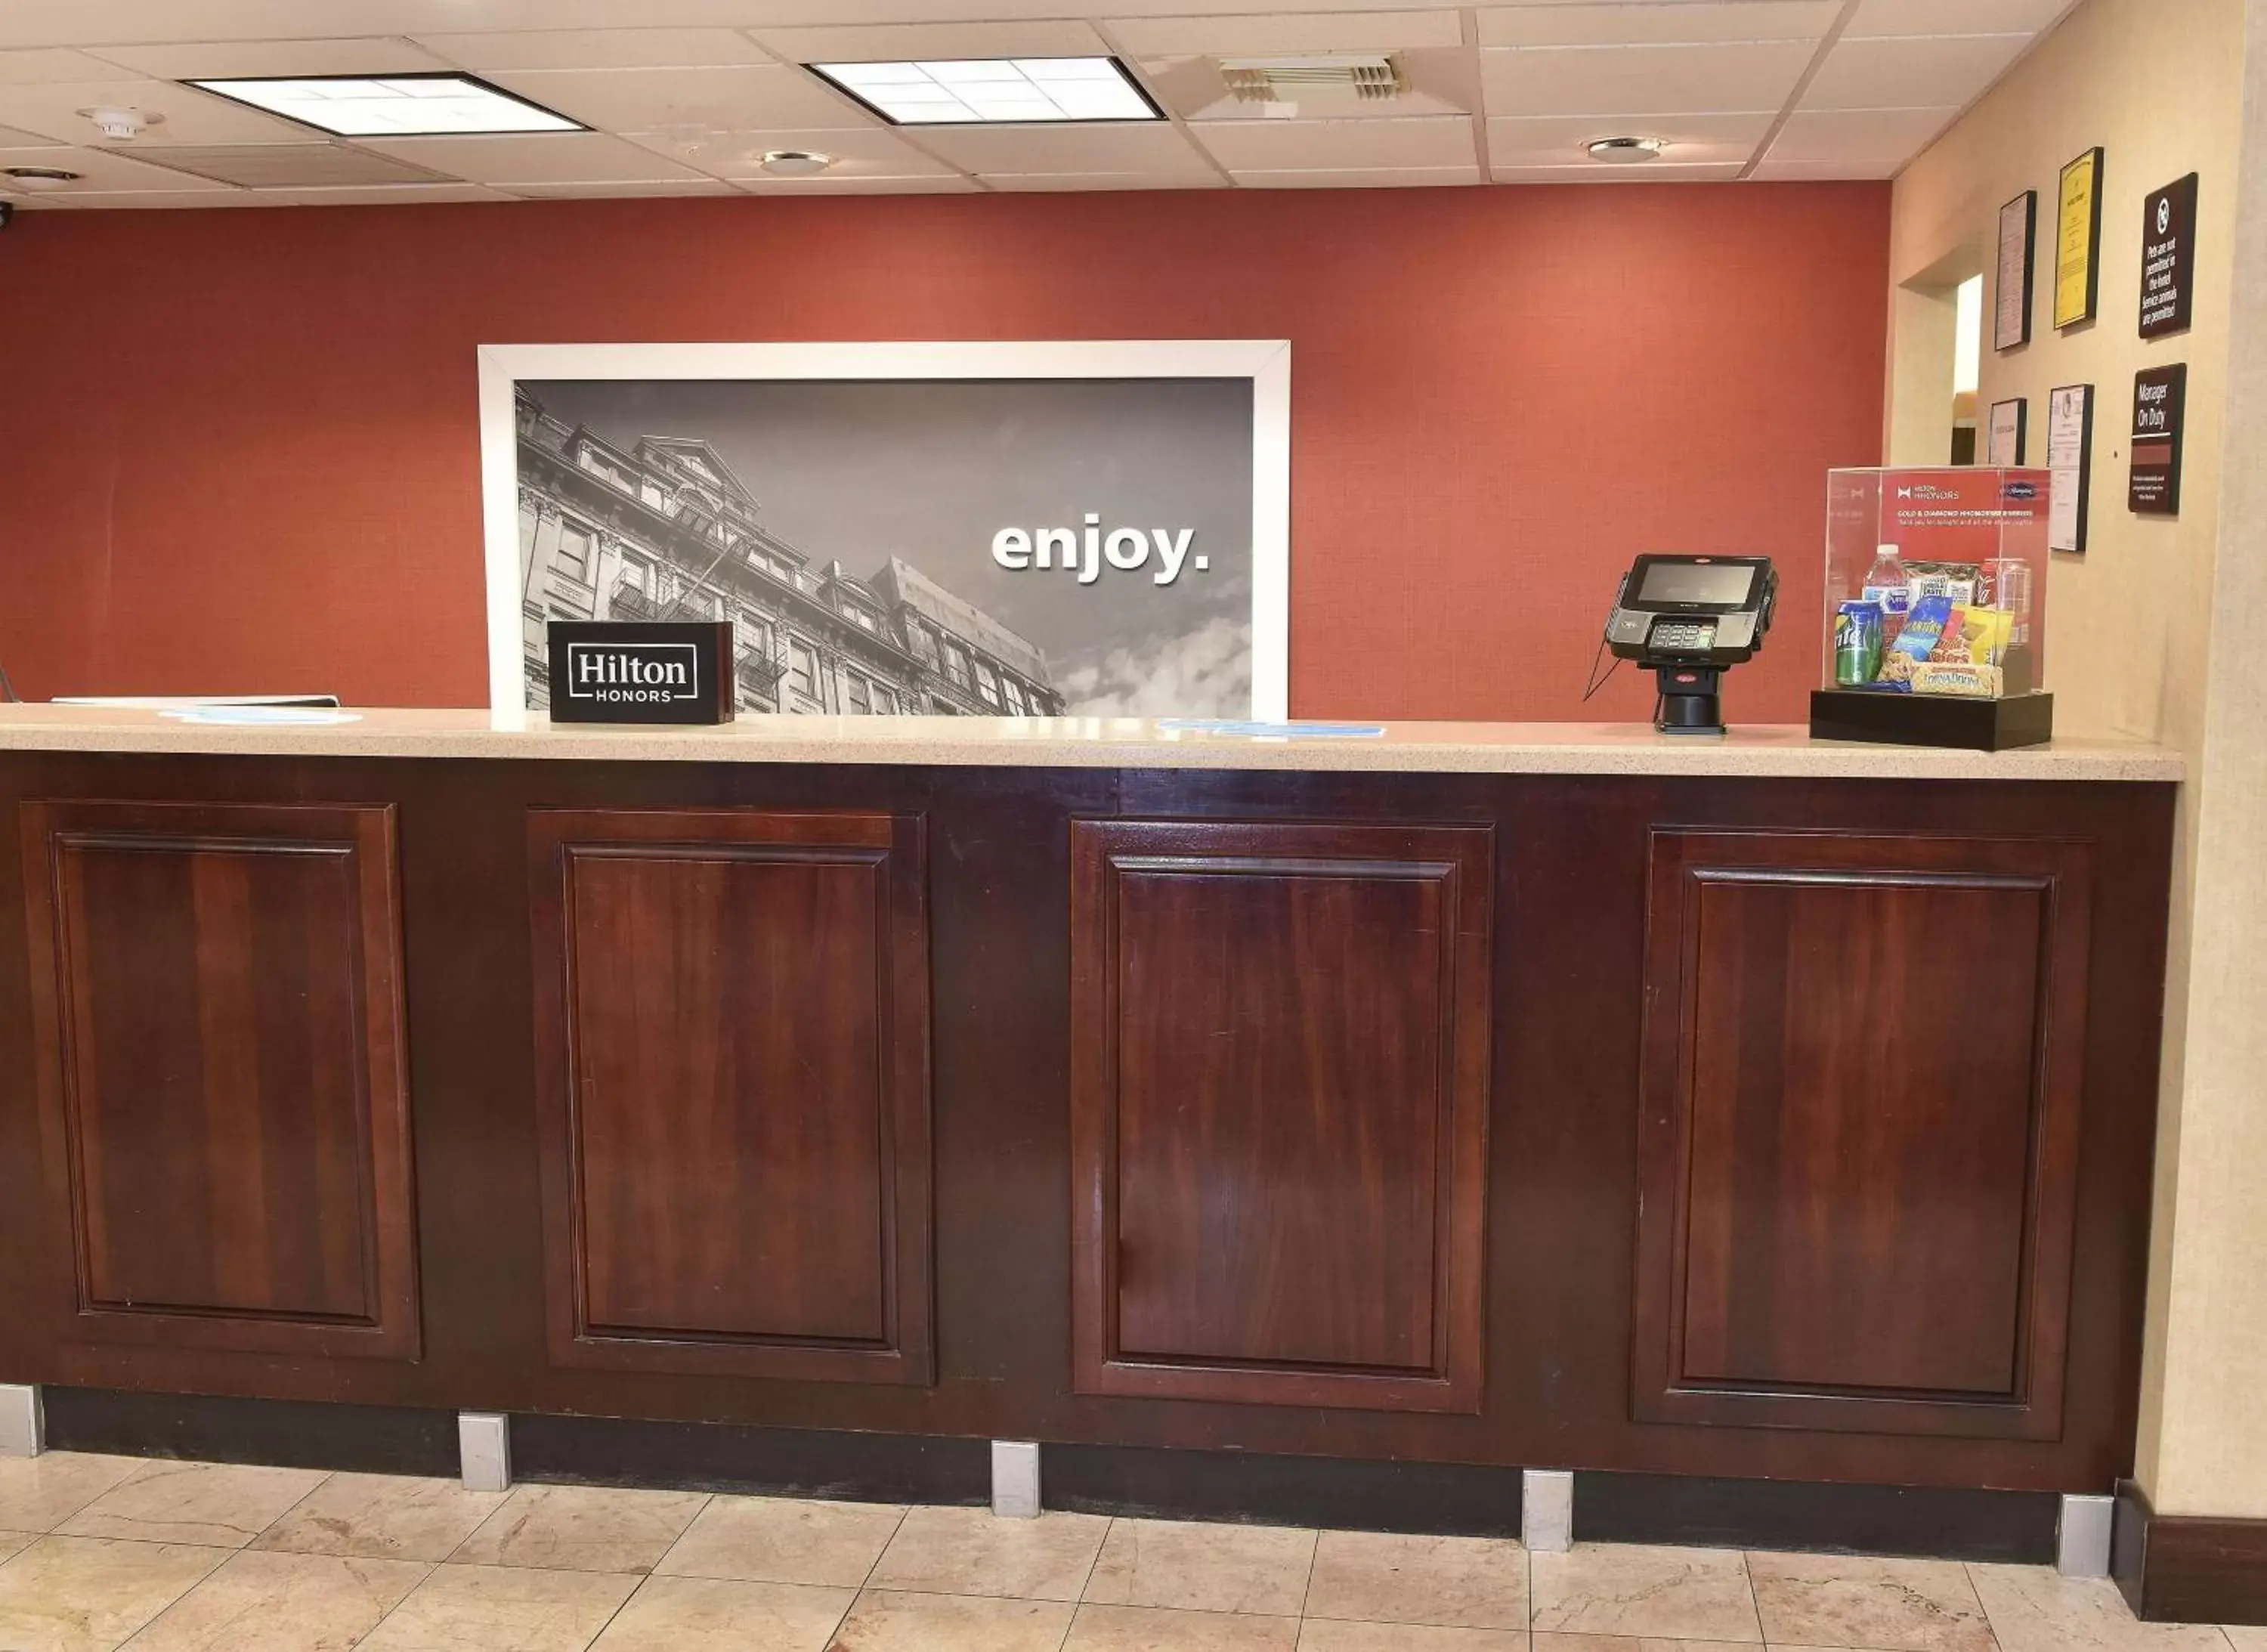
[(1719, 586)]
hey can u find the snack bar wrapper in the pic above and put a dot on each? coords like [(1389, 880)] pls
[(1924, 628), (1978, 682)]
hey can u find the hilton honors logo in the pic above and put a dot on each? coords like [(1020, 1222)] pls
[(651, 670), (619, 674)]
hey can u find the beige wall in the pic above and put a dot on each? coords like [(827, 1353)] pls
[(2205, 1444), (2131, 643), (2156, 83)]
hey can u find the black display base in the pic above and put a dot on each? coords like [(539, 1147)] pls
[(1889, 719)]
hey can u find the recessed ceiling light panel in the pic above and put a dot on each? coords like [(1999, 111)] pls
[(394, 105), (971, 92)]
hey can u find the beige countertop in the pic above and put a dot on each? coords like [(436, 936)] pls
[(1535, 748)]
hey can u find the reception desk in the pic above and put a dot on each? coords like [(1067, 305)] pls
[(1479, 1095)]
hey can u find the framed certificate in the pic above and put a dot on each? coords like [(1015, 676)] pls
[(2011, 323), (2005, 442), (2078, 240), (2070, 465)]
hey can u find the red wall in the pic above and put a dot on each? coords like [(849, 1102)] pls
[(240, 447)]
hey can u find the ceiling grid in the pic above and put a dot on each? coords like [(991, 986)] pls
[(714, 97)]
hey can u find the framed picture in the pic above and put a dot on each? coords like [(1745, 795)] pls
[(2070, 465), (1045, 529), (2078, 240), (2011, 321), (2006, 439)]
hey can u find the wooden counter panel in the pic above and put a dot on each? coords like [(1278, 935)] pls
[(1564, 1009), (732, 1051), (1278, 1098), (1859, 1130), (216, 1000)]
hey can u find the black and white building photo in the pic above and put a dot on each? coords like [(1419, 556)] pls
[(1003, 548)]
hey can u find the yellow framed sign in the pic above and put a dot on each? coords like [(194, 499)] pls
[(2078, 240)]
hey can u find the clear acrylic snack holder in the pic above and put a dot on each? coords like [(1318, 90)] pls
[(1958, 654)]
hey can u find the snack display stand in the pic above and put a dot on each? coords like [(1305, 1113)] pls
[(1935, 618)]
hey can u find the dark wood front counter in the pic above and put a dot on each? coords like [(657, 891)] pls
[(1769, 1126)]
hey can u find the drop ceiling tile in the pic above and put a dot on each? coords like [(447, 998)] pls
[(1657, 24), (1438, 82), (1889, 136), (1657, 172), (1155, 151), (20, 69), (51, 109), (12, 139), (119, 198), (874, 43), (251, 60), (596, 48), (102, 169), (1562, 140), (826, 184), (545, 157), (1284, 33), (1360, 178), (288, 165), (376, 195), (871, 153), (1029, 183), (92, 23), (1902, 74), (1797, 172), (1641, 79), (651, 188), (1337, 145), (728, 99), (1952, 17)]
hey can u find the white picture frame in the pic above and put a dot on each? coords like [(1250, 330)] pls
[(1266, 363)]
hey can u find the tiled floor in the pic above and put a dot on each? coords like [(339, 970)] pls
[(98, 1552)]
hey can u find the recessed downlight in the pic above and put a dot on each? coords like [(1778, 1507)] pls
[(980, 90), (1625, 151), (41, 176), (394, 105), (795, 163)]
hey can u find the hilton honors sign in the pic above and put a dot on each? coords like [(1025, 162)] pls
[(654, 671)]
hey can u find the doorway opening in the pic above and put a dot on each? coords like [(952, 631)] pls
[(1967, 365), (1936, 363)]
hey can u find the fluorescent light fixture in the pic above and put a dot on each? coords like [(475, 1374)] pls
[(394, 105), (969, 91)]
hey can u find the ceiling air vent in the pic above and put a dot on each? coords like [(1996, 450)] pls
[(1287, 79)]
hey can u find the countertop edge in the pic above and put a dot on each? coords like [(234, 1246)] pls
[(1773, 753)]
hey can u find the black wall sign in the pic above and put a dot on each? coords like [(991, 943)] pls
[(2168, 257), (649, 671), (2159, 397)]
